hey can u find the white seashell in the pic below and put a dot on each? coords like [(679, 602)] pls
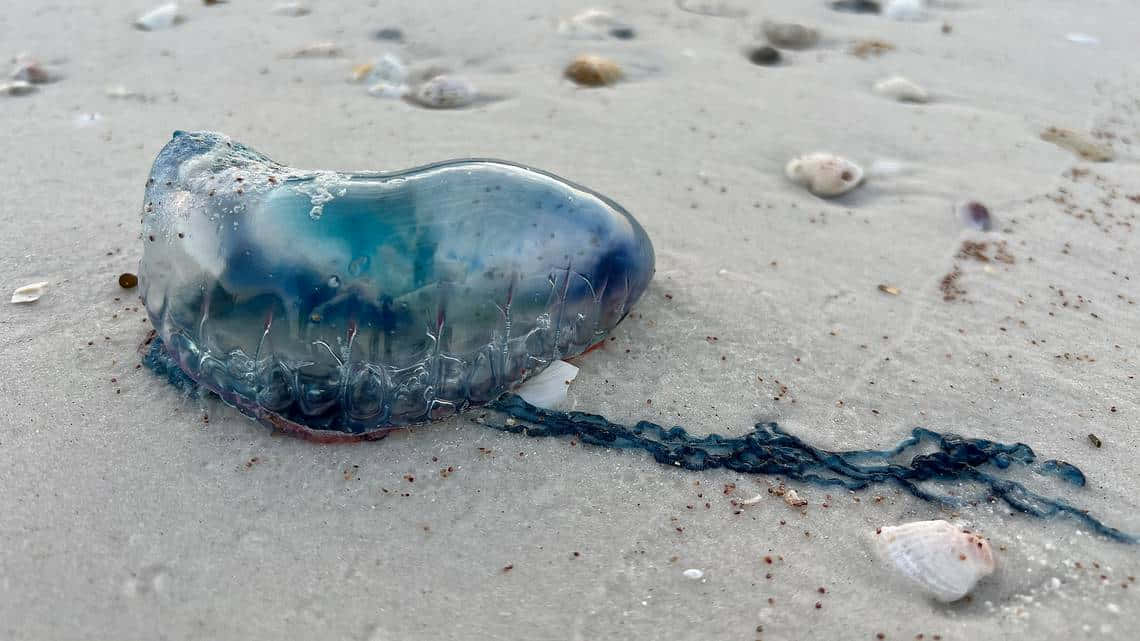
[(120, 92), (824, 174), (910, 10), (291, 9), (388, 68), (944, 560), (444, 92), (901, 89), (29, 293), (388, 90), (548, 388), (161, 17), (16, 88), (693, 573)]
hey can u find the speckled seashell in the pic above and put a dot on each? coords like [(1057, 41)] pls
[(593, 71), (901, 89), (1079, 143), (942, 559), (824, 174), (444, 92)]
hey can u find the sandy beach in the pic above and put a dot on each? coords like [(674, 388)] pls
[(130, 511)]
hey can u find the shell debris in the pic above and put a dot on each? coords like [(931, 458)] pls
[(595, 24), (549, 388), (1079, 143), (945, 561), (444, 92), (824, 174), (17, 88), (161, 17), (901, 89), (789, 35)]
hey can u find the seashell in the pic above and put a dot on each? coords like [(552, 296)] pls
[(593, 71), (120, 92), (29, 293), (388, 90), (907, 10), (325, 49), (595, 24), (789, 35), (291, 9), (693, 573), (870, 47), (764, 56), (824, 174), (1079, 143), (331, 341), (444, 92), (901, 89), (548, 389), (975, 215), (161, 17), (30, 70), (17, 88), (942, 559)]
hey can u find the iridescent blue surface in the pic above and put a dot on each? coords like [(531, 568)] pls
[(352, 303)]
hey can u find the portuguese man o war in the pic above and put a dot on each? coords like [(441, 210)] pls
[(342, 306), (337, 304)]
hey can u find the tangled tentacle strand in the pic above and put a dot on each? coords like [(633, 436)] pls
[(768, 449)]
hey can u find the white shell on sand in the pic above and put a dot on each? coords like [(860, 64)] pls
[(944, 560), (161, 17), (388, 90), (591, 24), (291, 9), (901, 89), (29, 293), (548, 389), (16, 88), (905, 9), (824, 174), (444, 92)]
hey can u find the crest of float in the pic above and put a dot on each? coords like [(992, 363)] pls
[(347, 304), (355, 302)]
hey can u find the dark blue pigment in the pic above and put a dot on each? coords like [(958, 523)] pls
[(770, 450)]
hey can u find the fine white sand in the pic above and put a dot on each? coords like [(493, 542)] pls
[(125, 515)]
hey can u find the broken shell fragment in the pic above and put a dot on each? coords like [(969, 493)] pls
[(444, 92), (824, 174), (549, 388), (593, 71), (595, 24), (29, 293), (1079, 143), (161, 17), (942, 559), (16, 88), (30, 70), (901, 89), (388, 90), (789, 35), (316, 50), (388, 68), (291, 9)]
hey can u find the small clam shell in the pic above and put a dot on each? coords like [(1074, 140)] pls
[(29, 293), (444, 92), (901, 89), (824, 174), (789, 35), (593, 71), (161, 17), (942, 559)]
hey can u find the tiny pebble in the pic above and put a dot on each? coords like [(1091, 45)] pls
[(1095, 440), (128, 280)]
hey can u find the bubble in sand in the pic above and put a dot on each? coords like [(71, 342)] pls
[(789, 35), (29, 293), (593, 71), (901, 89), (824, 174), (161, 17)]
